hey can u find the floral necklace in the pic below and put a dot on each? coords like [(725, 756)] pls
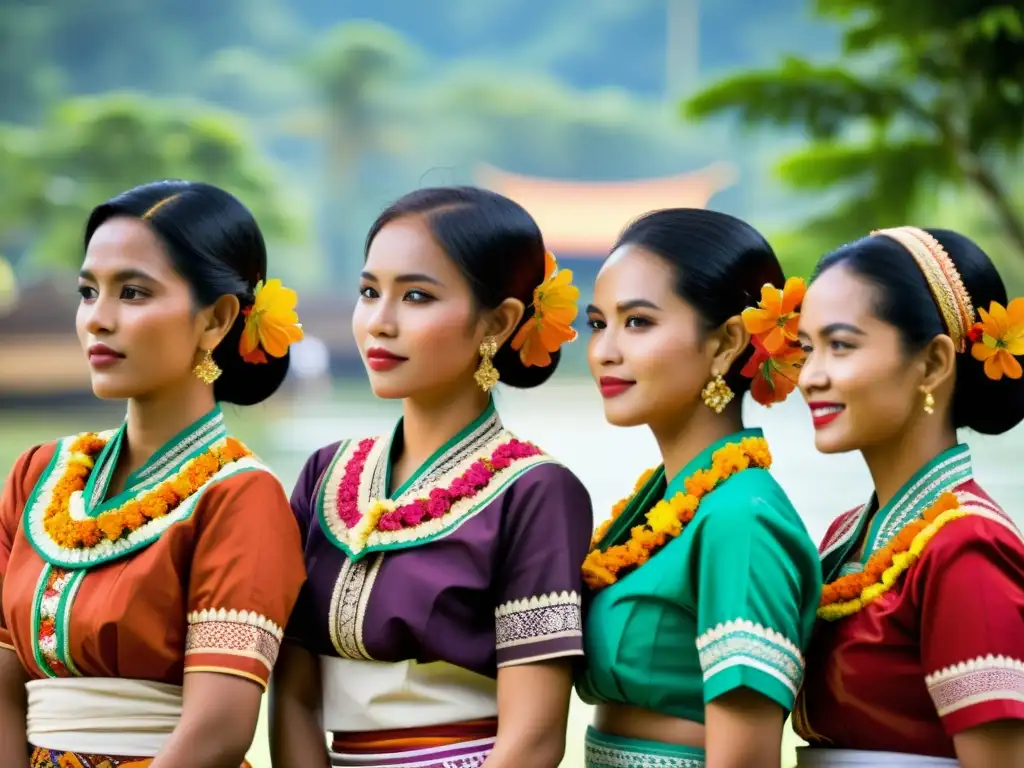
[(76, 530), (385, 516), (849, 594), (667, 519)]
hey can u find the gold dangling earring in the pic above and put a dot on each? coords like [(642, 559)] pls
[(929, 402), (207, 371), (717, 394), (486, 374)]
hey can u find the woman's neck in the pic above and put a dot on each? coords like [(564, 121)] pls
[(426, 426), (893, 463), (154, 420), (684, 439)]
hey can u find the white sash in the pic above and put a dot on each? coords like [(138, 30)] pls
[(812, 757), (102, 715), (375, 695)]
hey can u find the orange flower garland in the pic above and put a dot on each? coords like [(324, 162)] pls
[(70, 533), (667, 519), (848, 594)]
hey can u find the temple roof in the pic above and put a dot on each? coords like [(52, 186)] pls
[(585, 217)]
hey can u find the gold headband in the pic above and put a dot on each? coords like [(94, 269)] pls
[(160, 204), (943, 279)]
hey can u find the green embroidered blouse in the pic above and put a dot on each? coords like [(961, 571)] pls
[(729, 603)]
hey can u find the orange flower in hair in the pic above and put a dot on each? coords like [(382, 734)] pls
[(554, 309), (774, 377), (999, 339), (271, 323), (775, 319)]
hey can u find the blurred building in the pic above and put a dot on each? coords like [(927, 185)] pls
[(581, 220)]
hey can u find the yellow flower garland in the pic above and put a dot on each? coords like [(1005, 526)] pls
[(667, 519), (900, 561)]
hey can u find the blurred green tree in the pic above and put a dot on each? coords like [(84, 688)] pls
[(50, 48), (932, 99), (359, 119), (89, 149)]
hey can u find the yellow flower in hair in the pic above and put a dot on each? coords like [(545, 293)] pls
[(999, 339), (271, 323), (554, 309)]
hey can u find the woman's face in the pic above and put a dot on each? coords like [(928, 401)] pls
[(136, 321), (416, 323), (862, 387), (648, 351)]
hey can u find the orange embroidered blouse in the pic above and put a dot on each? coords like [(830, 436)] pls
[(205, 588)]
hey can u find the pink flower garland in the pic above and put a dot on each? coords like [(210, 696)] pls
[(440, 500)]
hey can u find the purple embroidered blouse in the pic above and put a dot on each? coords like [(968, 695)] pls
[(496, 581)]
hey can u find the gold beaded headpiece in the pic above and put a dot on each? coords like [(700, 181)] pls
[(943, 279)]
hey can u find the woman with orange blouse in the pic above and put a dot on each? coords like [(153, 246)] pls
[(147, 571)]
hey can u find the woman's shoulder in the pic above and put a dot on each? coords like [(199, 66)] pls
[(22, 478), (31, 464), (977, 523), (244, 479), (546, 471), (751, 506), (751, 495), (539, 481)]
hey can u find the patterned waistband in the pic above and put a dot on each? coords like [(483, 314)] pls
[(406, 739), (52, 758), (603, 750), (468, 754)]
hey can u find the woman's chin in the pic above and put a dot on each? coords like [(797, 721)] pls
[(621, 415)]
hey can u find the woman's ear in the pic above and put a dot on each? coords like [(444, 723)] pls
[(216, 320), (504, 319), (938, 361), (729, 341)]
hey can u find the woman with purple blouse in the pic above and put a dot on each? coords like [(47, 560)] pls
[(441, 615)]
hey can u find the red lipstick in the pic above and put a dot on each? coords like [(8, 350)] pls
[(102, 356), (823, 413), (380, 359), (612, 386)]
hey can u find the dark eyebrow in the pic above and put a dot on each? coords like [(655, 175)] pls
[(122, 276), (834, 328), (592, 310), (413, 277), (625, 306), (828, 330)]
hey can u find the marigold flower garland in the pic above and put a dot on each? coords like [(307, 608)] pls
[(667, 519), (848, 594), (384, 515), (70, 533)]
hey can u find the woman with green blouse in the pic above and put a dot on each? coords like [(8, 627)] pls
[(704, 581)]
